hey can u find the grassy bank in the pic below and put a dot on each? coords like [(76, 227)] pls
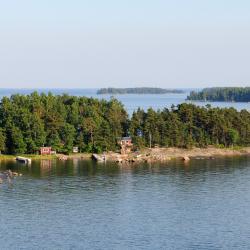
[(46, 157), (34, 157), (7, 157)]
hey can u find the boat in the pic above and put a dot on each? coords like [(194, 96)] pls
[(23, 159), (99, 158)]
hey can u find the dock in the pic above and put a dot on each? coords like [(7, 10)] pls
[(23, 159)]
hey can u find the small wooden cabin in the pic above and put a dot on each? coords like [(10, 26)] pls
[(126, 144), (45, 151)]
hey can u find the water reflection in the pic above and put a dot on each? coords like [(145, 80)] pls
[(79, 204), (79, 167)]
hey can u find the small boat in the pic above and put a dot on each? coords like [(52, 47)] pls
[(23, 159), (99, 158)]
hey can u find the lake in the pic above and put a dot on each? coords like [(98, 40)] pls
[(132, 101), (80, 204)]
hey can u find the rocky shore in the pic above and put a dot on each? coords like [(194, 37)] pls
[(167, 154), (147, 155)]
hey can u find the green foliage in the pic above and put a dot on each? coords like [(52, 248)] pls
[(28, 122), (232, 136), (2, 141), (17, 142), (229, 94), (188, 125), (68, 136), (32, 121)]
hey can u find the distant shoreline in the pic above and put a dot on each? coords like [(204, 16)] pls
[(221, 94), (140, 91), (149, 155)]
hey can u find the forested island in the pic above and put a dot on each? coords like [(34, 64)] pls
[(226, 94), (28, 122), (143, 90)]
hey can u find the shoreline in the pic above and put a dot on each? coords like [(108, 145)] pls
[(172, 153), (146, 155), (46, 157)]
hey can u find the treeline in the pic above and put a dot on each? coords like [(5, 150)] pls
[(188, 125), (143, 90), (227, 94), (28, 122)]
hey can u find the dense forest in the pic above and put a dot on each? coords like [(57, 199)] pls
[(28, 122), (143, 90), (227, 94), (188, 125)]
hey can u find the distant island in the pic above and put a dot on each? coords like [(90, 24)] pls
[(222, 94), (142, 90)]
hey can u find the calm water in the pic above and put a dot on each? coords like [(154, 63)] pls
[(132, 102), (82, 205)]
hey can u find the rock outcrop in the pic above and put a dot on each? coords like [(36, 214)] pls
[(8, 175)]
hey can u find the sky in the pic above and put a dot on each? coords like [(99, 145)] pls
[(124, 43)]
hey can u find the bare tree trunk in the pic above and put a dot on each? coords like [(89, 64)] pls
[(150, 140)]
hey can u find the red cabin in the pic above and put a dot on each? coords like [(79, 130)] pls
[(45, 150)]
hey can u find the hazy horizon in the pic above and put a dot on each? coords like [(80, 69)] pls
[(97, 88), (140, 43)]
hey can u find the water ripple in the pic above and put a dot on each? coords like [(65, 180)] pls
[(86, 206)]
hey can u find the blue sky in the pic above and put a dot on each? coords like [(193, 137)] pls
[(79, 43)]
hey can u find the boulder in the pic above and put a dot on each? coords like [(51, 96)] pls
[(185, 158), (119, 160)]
